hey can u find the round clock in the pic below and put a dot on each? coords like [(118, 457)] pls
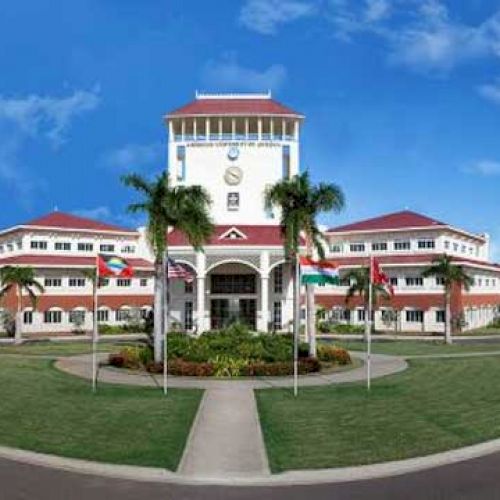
[(233, 153), (233, 175)]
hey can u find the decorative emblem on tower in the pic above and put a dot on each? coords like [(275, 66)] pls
[(233, 175), (233, 153)]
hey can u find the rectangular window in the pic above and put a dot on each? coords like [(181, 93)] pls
[(402, 245), (439, 280), (102, 315), (77, 316), (440, 316), (62, 245), (335, 248), (357, 247), (28, 317), (144, 282), (455, 247), (188, 286), (379, 246), (415, 316), (103, 282), (85, 247), (128, 249), (52, 282), (52, 316), (233, 283), (277, 316), (447, 245), (233, 201), (393, 281), (76, 282), (122, 315), (286, 162), (122, 282), (38, 245), (278, 279), (188, 316), (361, 314), (414, 281), (181, 160), (107, 248), (426, 244)]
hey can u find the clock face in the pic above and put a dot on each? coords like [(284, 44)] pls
[(233, 153), (233, 175)]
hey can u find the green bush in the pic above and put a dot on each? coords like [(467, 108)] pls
[(329, 327)]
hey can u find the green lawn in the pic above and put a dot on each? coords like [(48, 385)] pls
[(436, 405), (60, 348), (412, 348), (45, 410)]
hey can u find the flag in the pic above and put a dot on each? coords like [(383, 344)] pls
[(178, 271), (112, 265), (319, 272), (380, 278)]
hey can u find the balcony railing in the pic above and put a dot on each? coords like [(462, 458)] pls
[(236, 137)]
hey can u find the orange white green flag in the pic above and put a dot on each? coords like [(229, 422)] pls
[(320, 272)]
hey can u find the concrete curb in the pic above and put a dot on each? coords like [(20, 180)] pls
[(298, 477)]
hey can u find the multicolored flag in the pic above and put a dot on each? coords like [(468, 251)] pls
[(177, 270), (380, 278), (318, 272), (112, 265)]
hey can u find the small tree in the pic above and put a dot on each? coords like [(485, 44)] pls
[(20, 279), (443, 267), (360, 285)]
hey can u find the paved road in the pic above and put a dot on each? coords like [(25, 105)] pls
[(477, 479)]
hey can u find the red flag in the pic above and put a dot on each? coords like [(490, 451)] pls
[(112, 265), (380, 278)]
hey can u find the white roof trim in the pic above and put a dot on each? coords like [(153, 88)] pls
[(234, 229)]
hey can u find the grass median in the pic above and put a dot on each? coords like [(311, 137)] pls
[(47, 411), (436, 405)]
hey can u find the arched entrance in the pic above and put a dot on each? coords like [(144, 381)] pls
[(233, 294)]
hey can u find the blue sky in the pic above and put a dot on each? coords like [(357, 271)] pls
[(402, 97)]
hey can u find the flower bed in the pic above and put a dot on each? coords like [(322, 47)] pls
[(231, 352)]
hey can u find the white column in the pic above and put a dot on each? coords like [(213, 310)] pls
[(207, 128), (259, 129), (171, 137), (283, 129), (183, 129), (200, 292), (194, 129), (296, 130), (263, 317), (220, 128), (247, 128), (271, 128), (233, 128)]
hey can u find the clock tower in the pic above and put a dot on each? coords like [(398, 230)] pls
[(235, 146)]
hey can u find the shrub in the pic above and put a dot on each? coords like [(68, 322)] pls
[(225, 366), (333, 354), (330, 327), (133, 357)]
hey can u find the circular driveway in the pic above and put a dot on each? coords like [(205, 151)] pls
[(476, 479)]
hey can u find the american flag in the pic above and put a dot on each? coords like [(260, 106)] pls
[(177, 270)]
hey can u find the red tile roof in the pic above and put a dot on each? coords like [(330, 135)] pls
[(226, 106), (69, 221), (253, 236), (64, 261), (396, 220)]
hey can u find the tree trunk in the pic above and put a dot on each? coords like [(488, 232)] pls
[(18, 333), (447, 334), (158, 311), (311, 320)]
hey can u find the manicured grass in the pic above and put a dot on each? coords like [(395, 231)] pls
[(60, 348), (45, 410), (415, 348), (436, 405)]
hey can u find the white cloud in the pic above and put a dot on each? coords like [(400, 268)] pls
[(47, 116), (264, 16), (98, 213), (485, 168), (133, 156), (35, 117), (421, 35), (491, 91), (103, 213), (228, 74)]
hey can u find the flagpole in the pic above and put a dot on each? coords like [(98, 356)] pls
[(165, 322), (369, 330), (296, 327), (95, 327)]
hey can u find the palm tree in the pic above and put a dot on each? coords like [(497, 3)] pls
[(185, 208), (300, 203), (21, 279), (442, 267), (359, 280)]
